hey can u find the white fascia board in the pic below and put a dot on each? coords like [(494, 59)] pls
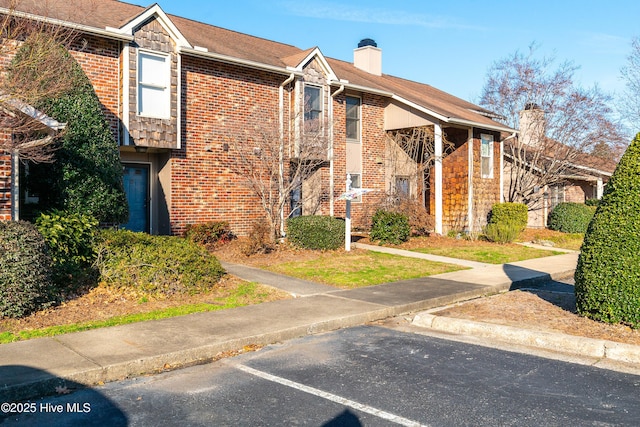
[(111, 33), (237, 61), (316, 53), (33, 112), (164, 20)]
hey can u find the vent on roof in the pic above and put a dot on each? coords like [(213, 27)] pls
[(367, 42), (368, 57)]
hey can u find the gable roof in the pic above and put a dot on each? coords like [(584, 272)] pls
[(112, 18)]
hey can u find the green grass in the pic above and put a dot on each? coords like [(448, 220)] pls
[(238, 298), (489, 253), (361, 268)]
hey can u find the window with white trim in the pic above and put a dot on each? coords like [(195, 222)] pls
[(356, 183), (312, 109), (353, 118), (486, 155), (154, 85)]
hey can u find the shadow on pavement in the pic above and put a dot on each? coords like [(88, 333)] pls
[(53, 401), (557, 292), (345, 419)]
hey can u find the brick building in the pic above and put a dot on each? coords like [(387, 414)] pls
[(182, 97)]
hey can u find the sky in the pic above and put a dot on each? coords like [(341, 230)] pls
[(448, 44)]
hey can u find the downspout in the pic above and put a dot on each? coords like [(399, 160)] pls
[(281, 148), (513, 135), (331, 178)]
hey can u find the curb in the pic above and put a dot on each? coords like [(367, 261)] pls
[(602, 349)]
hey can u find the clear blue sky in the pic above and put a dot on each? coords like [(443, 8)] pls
[(448, 44)]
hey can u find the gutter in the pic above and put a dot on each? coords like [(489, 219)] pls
[(281, 147), (201, 53), (331, 177)]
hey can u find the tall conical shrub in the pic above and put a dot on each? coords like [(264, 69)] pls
[(608, 273)]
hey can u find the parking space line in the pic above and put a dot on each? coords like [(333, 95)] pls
[(332, 397)]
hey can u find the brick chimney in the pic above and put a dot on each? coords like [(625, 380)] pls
[(368, 57), (532, 125)]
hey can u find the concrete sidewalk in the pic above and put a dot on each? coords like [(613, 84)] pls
[(36, 367)]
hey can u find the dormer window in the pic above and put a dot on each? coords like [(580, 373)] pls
[(154, 84), (312, 109)]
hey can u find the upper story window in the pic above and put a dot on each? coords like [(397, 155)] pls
[(154, 84), (353, 119), (486, 155), (312, 108)]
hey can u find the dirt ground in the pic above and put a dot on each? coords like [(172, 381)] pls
[(527, 309)]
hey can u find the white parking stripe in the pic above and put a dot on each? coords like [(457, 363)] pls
[(332, 397)]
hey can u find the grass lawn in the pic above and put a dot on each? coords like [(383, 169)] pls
[(244, 293), (360, 268), (489, 253), (571, 241)]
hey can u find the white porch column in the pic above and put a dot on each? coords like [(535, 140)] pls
[(437, 130), (599, 189)]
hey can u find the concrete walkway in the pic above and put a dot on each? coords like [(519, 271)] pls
[(38, 366)]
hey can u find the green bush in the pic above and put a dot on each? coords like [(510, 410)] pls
[(25, 270), (155, 264), (570, 217), (390, 227), (515, 214), (69, 236), (502, 232), (607, 278), (210, 234), (316, 232)]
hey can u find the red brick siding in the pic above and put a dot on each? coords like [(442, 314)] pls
[(100, 60), (220, 102)]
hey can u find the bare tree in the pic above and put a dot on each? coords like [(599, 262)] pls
[(32, 70), (630, 101), (273, 166), (558, 120)]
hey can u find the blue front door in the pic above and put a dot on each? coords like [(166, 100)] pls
[(136, 186)]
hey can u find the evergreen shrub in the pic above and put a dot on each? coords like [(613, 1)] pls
[(318, 232), (25, 270), (163, 265), (570, 217), (509, 212), (390, 227), (607, 278)]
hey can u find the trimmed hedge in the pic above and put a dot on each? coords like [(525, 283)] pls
[(390, 227), (509, 212), (607, 278), (25, 270), (316, 232), (155, 264), (571, 217)]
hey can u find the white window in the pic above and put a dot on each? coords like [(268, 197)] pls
[(154, 84), (312, 109), (356, 182), (353, 119), (486, 155)]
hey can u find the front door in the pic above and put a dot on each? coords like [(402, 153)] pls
[(136, 186)]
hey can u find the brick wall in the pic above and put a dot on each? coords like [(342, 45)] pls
[(222, 105)]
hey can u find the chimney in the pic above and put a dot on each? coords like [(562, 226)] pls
[(368, 57), (532, 125)]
